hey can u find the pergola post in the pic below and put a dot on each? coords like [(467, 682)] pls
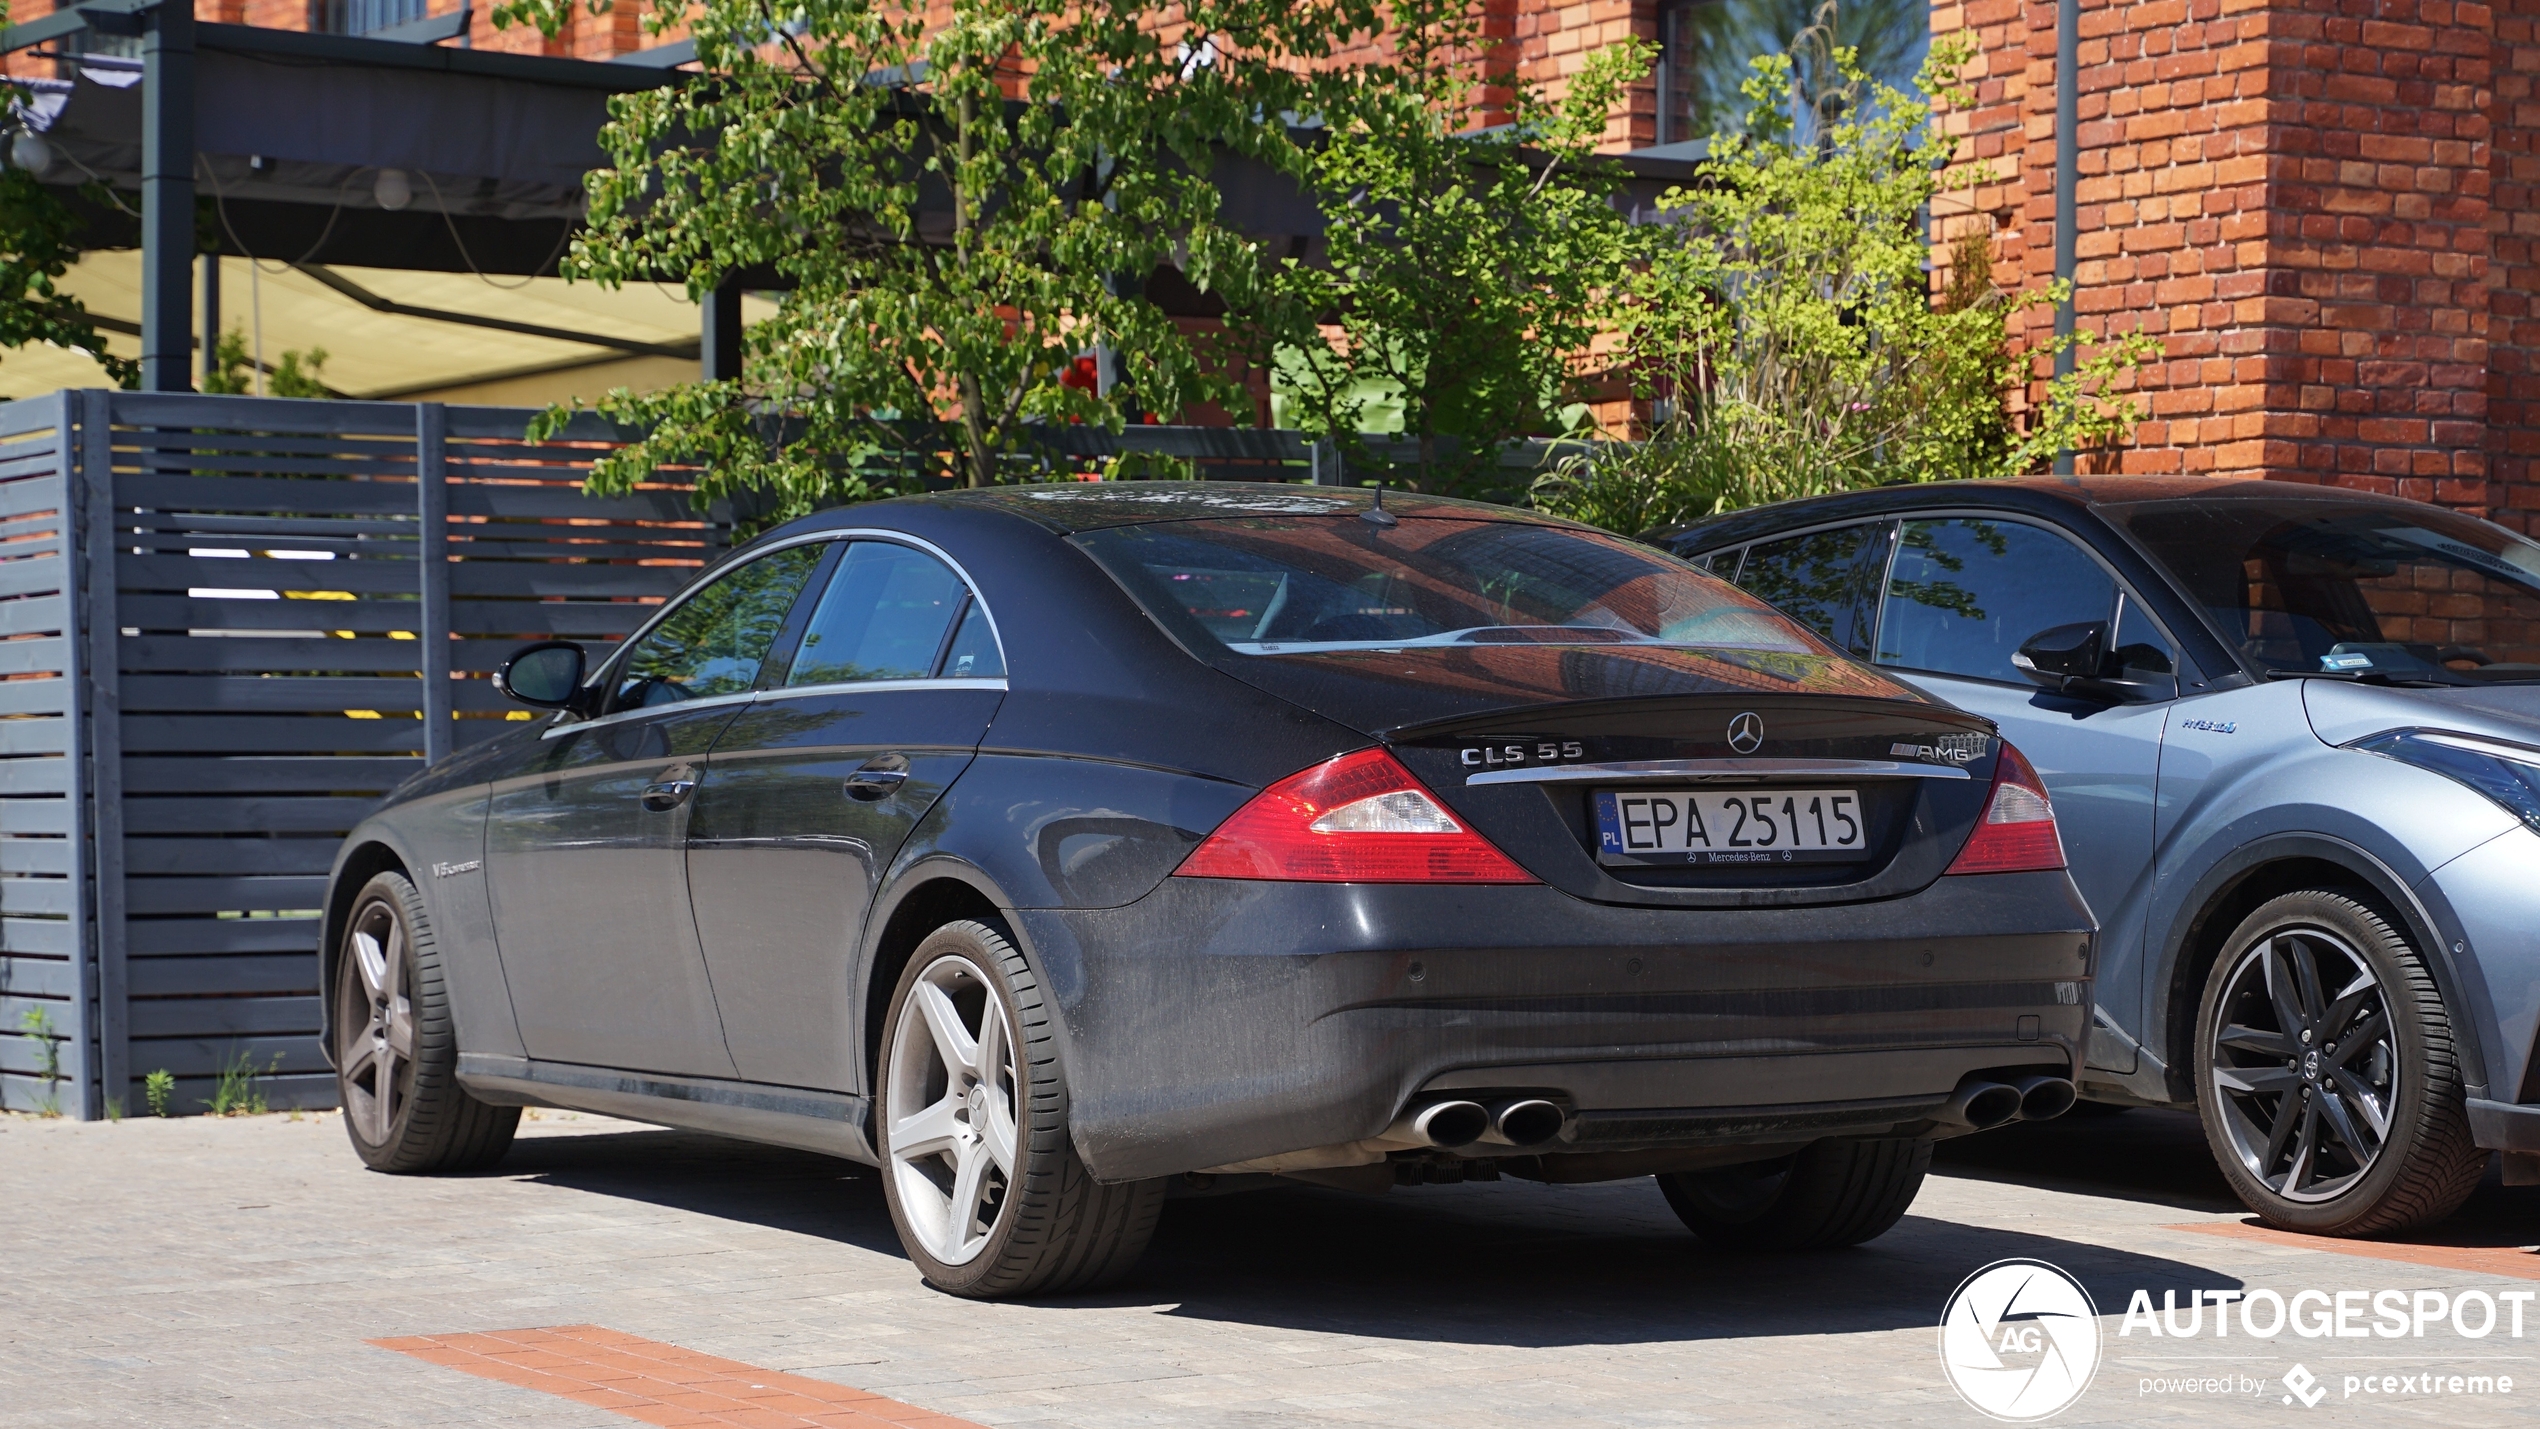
[(210, 326), (167, 198), (720, 337)]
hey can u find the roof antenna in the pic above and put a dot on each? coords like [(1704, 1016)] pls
[(1377, 515)]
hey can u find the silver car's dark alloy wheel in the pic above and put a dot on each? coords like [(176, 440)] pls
[(2326, 1074), (2305, 1070)]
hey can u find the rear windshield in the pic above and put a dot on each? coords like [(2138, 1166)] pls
[(1297, 585), (2318, 585)]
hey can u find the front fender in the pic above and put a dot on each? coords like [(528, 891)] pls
[(2387, 869), (439, 842)]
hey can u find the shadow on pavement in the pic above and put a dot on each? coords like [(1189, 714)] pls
[(2160, 1158), (1507, 1263)]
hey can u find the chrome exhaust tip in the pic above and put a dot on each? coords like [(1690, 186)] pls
[(2045, 1098), (1981, 1105), (1530, 1122), (1448, 1125)]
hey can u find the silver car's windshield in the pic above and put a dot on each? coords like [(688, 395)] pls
[(2314, 585), (1284, 585)]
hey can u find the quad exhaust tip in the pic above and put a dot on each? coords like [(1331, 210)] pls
[(1983, 1104), (1530, 1122), (1450, 1125), (2044, 1098)]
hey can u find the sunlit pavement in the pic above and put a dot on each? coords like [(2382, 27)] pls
[(215, 1272)]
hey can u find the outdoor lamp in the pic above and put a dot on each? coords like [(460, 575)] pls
[(393, 189), (30, 152)]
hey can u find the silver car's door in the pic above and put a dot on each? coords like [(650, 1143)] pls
[(586, 850), (1962, 594)]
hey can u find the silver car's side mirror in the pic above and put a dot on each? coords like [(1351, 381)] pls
[(546, 676), (2075, 660)]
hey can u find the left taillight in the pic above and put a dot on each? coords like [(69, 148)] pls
[(1360, 818), (2018, 832)]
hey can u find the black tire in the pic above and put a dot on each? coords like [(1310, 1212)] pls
[(1833, 1193), (429, 1123), (1053, 1229), (2423, 1164)]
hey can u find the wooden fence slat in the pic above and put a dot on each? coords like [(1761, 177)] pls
[(217, 976), (271, 734), (224, 814), (225, 1017), (260, 774), (232, 893), (275, 655), (274, 694), (193, 936)]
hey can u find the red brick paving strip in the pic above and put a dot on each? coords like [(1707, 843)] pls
[(663, 1384), (2486, 1260)]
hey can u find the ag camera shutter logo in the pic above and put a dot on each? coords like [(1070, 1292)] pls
[(2019, 1340)]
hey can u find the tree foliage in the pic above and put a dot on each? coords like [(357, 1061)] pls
[(1463, 270), (959, 201), (1785, 320), (39, 241)]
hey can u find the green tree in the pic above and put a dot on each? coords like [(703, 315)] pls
[(959, 202), (39, 241), (1785, 322), (1888, 39), (1463, 269), (301, 374)]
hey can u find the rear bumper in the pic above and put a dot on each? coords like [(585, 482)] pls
[(1217, 1022)]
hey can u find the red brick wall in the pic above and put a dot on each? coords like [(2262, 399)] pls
[(2295, 198), (2513, 272)]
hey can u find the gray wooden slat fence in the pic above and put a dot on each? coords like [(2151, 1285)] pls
[(228, 626)]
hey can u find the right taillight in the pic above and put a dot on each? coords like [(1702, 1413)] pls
[(2017, 833)]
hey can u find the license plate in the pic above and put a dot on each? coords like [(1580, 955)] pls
[(1702, 826)]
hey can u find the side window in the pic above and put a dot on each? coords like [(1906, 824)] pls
[(883, 617), (713, 643), (973, 654), (1819, 579), (2139, 647), (1964, 594)]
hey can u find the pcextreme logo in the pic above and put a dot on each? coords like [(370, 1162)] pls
[(2019, 1340)]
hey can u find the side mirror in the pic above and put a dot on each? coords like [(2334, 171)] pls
[(546, 676), (2067, 652), (2075, 660)]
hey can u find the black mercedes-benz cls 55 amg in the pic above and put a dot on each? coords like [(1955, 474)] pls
[(1058, 848)]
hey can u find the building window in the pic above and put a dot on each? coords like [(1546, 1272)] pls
[(363, 17), (1683, 35)]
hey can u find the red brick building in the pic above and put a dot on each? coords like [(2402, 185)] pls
[(2324, 209)]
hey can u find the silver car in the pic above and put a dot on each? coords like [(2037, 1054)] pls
[(2293, 739)]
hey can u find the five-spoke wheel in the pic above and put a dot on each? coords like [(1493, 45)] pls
[(983, 1180), (396, 1049), (2325, 1072), (375, 1019), (951, 1109)]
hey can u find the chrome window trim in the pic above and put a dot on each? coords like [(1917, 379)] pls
[(1644, 770), (834, 687), (598, 678), (560, 725)]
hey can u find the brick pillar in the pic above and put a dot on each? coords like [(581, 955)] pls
[(2513, 274), (2294, 197)]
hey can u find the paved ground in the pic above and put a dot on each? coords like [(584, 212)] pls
[(202, 1272)]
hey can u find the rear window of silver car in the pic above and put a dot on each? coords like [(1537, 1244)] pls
[(1298, 585)]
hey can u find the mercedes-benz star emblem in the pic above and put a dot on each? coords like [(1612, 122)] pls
[(1746, 732)]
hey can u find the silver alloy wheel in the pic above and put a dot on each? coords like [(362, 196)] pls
[(949, 1110), (377, 1025), (2305, 1064)]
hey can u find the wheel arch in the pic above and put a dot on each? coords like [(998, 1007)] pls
[(363, 859), (926, 897), (2248, 877)]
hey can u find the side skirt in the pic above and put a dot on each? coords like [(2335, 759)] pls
[(832, 1123)]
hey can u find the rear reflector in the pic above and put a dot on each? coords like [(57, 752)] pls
[(2018, 833), (1361, 818)]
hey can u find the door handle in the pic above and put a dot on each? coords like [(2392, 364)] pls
[(879, 779), (670, 790)]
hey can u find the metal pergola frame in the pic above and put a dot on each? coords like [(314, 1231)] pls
[(170, 38)]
